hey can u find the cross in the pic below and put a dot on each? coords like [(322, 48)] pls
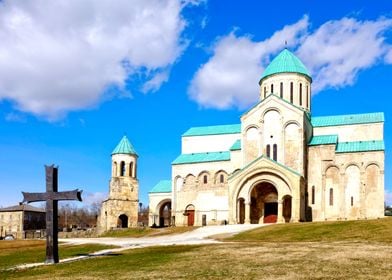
[(52, 196)]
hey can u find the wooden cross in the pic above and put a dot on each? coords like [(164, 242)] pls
[(52, 196)]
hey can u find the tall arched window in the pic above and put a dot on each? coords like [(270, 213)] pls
[(352, 201), (122, 168), (272, 88), (268, 150), (275, 152), (331, 196), (265, 92), (205, 179), (131, 169), (222, 178), (300, 94), (313, 194), (307, 96), (291, 92), (115, 169), (281, 90)]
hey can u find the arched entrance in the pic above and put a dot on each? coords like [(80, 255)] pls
[(241, 210), (190, 213), (287, 208), (263, 204), (165, 214), (122, 221)]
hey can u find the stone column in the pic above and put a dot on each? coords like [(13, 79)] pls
[(247, 212), (280, 211)]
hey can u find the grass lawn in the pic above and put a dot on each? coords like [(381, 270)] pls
[(146, 231), (370, 230), (18, 252), (352, 250)]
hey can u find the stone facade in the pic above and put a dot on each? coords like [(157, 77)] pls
[(120, 209), (280, 164), (16, 220)]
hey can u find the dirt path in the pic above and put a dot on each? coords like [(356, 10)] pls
[(197, 236)]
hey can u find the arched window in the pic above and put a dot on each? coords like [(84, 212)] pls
[(222, 178), (268, 150), (331, 196), (114, 169), (131, 169), (291, 92), (281, 90), (300, 94), (205, 179), (313, 194), (122, 168), (307, 96), (352, 201), (275, 152), (272, 88)]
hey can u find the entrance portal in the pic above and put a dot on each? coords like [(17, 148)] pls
[(165, 214), (264, 204), (122, 221), (190, 213)]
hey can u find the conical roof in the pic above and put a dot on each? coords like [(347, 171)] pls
[(285, 62), (124, 147)]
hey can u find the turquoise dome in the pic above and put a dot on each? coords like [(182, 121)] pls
[(124, 147), (285, 62)]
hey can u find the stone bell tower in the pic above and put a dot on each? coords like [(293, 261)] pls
[(120, 209)]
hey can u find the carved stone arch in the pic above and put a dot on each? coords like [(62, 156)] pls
[(218, 177), (190, 181), (178, 182), (330, 166), (270, 109), (291, 122), (258, 177), (351, 163), (204, 178), (376, 163), (251, 126)]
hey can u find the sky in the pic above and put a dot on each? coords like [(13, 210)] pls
[(75, 76)]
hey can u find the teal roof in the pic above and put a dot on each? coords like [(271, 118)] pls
[(213, 130), (267, 158), (124, 147), (285, 62), (360, 146), (347, 119), (164, 186), (201, 157), (236, 146), (323, 140)]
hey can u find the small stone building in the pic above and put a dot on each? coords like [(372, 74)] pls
[(120, 209), (19, 219), (279, 163)]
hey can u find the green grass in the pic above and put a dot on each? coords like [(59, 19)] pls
[(370, 230), (330, 250), (146, 231), (13, 253)]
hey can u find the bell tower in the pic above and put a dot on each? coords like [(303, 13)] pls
[(120, 209)]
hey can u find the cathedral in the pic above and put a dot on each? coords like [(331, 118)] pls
[(279, 164)]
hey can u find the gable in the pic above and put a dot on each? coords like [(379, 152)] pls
[(273, 102)]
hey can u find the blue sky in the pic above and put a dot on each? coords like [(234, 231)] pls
[(75, 76)]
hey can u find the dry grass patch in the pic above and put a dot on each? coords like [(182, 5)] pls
[(17, 252), (299, 260), (364, 230)]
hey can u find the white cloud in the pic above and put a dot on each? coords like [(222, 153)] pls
[(334, 53), (339, 49), (230, 76), (58, 56), (155, 82), (90, 198)]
